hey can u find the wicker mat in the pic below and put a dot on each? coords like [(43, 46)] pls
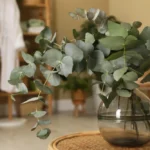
[(89, 142)]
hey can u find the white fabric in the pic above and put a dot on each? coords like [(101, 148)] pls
[(11, 40)]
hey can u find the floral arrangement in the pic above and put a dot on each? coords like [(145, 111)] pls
[(115, 52)]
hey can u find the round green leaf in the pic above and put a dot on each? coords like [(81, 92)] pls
[(148, 44), (104, 67), (52, 76), (95, 59), (43, 133), (27, 57), (106, 51), (87, 48), (119, 73), (107, 79), (145, 34), (124, 93), (89, 38), (73, 51), (29, 70), (52, 57), (125, 25), (130, 76), (33, 99), (42, 87), (137, 24), (131, 41), (22, 88), (66, 66), (116, 29), (38, 114), (130, 85), (113, 43)]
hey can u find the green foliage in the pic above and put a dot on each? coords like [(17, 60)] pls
[(117, 53), (74, 83)]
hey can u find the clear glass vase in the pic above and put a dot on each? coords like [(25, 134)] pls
[(126, 122)]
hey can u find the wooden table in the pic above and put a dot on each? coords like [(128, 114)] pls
[(87, 141)]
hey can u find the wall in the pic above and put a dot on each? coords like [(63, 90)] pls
[(131, 10), (63, 23)]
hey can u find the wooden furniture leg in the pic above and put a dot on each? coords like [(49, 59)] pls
[(10, 107), (49, 99), (76, 111), (17, 106)]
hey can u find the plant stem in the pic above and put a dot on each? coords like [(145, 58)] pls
[(124, 54), (133, 114)]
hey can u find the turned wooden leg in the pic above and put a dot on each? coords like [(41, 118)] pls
[(10, 107), (76, 111), (49, 99), (17, 106), (83, 108)]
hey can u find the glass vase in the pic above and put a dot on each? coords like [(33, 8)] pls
[(126, 122)]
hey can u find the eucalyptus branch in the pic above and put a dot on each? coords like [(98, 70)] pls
[(124, 55)]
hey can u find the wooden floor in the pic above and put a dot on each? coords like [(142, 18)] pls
[(63, 123)]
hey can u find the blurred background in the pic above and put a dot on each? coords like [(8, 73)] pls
[(62, 107)]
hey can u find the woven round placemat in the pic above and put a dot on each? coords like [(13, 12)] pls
[(88, 141)]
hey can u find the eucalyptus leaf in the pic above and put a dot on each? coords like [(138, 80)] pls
[(124, 93), (106, 51), (105, 100), (73, 51), (43, 133), (73, 15), (38, 56), (125, 25), (80, 66), (42, 87), (89, 38), (52, 76), (87, 48), (137, 24), (130, 76), (104, 67), (116, 29), (80, 12), (52, 57), (95, 59), (16, 76), (22, 88), (134, 31), (27, 57), (148, 44), (44, 122), (145, 34), (66, 66), (118, 63), (107, 79), (34, 127), (119, 73), (29, 70), (38, 114), (45, 34), (113, 43), (130, 85), (33, 99), (75, 33), (131, 41), (115, 55)]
